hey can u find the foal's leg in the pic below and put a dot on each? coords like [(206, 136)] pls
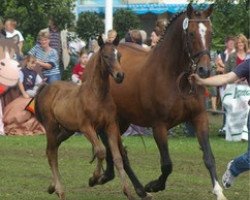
[(160, 136), (201, 124), (109, 172), (114, 139), (99, 152), (52, 131)]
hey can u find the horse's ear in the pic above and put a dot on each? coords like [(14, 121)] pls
[(100, 41), (209, 11), (116, 41), (189, 10)]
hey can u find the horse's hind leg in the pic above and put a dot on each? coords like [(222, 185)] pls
[(201, 124), (52, 130), (160, 136)]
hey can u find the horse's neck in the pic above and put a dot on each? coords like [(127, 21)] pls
[(97, 80)]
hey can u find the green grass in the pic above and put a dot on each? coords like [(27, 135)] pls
[(25, 174)]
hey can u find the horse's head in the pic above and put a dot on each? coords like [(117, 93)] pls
[(198, 35), (111, 57)]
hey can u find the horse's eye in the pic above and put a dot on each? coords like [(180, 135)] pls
[(2, 63), (106, 57), (191, 34)]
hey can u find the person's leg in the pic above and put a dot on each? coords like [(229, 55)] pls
[(238, 165)]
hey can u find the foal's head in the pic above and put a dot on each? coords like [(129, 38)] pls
[(111, 58), (198, 35)]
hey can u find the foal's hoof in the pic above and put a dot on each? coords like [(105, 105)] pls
[(105, 178), (154, 186), (148, 197), (51, 189)]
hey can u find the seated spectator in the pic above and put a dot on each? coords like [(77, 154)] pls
[(154, 38), (10, 28), (29, 79), (134, 36), (79, 68), (46, 57)]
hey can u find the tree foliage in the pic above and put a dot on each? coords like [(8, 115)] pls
[(33, 15), (125, 20), (229, 19), (89, 24)]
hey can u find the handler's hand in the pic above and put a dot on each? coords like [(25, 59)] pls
[(194, 78)]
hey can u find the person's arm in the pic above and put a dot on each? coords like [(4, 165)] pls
[(21, 88), (217, 80), (45, 65)]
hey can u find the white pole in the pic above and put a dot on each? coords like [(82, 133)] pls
[(108, 15)]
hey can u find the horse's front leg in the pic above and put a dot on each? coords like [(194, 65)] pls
[(201, 124), (109, 172), (160, 136), (52, 155), (99, 152)]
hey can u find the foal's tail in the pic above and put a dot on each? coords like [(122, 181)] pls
[(37, 102)]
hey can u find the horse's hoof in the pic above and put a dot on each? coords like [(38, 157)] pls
[(154, 186), (93, 181), (51, 189), (148, 197)]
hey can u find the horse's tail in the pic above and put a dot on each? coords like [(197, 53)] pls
[(37, 102)]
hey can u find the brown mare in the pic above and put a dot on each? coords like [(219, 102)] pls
[(155, 92), (64, 108)]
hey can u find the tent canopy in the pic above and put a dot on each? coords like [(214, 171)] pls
[(140, 9)]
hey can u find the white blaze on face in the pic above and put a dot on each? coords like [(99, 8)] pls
[(202, 31)]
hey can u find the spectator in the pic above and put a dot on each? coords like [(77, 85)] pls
[(154, 38), (79, 68), (241, 163), (220, 69), (47, 57), (241, 47), (29, 80), (10, 28), (111, 36), (75, 47), (58, 41), (144, 39)]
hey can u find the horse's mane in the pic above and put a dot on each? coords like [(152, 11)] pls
[(171, 20)]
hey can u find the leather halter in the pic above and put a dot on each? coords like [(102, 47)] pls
[(194, 58)]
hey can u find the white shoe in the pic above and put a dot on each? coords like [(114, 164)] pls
[(228, 177)]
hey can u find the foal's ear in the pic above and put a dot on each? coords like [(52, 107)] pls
[(190, 10), (209, 11), (116, 41), (100, 41)]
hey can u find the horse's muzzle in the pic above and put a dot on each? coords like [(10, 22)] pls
[(119, 76), (203, 72)]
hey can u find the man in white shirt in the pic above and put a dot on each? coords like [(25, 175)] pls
[(10, 26)]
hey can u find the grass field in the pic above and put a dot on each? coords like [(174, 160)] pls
[(25, 174)]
